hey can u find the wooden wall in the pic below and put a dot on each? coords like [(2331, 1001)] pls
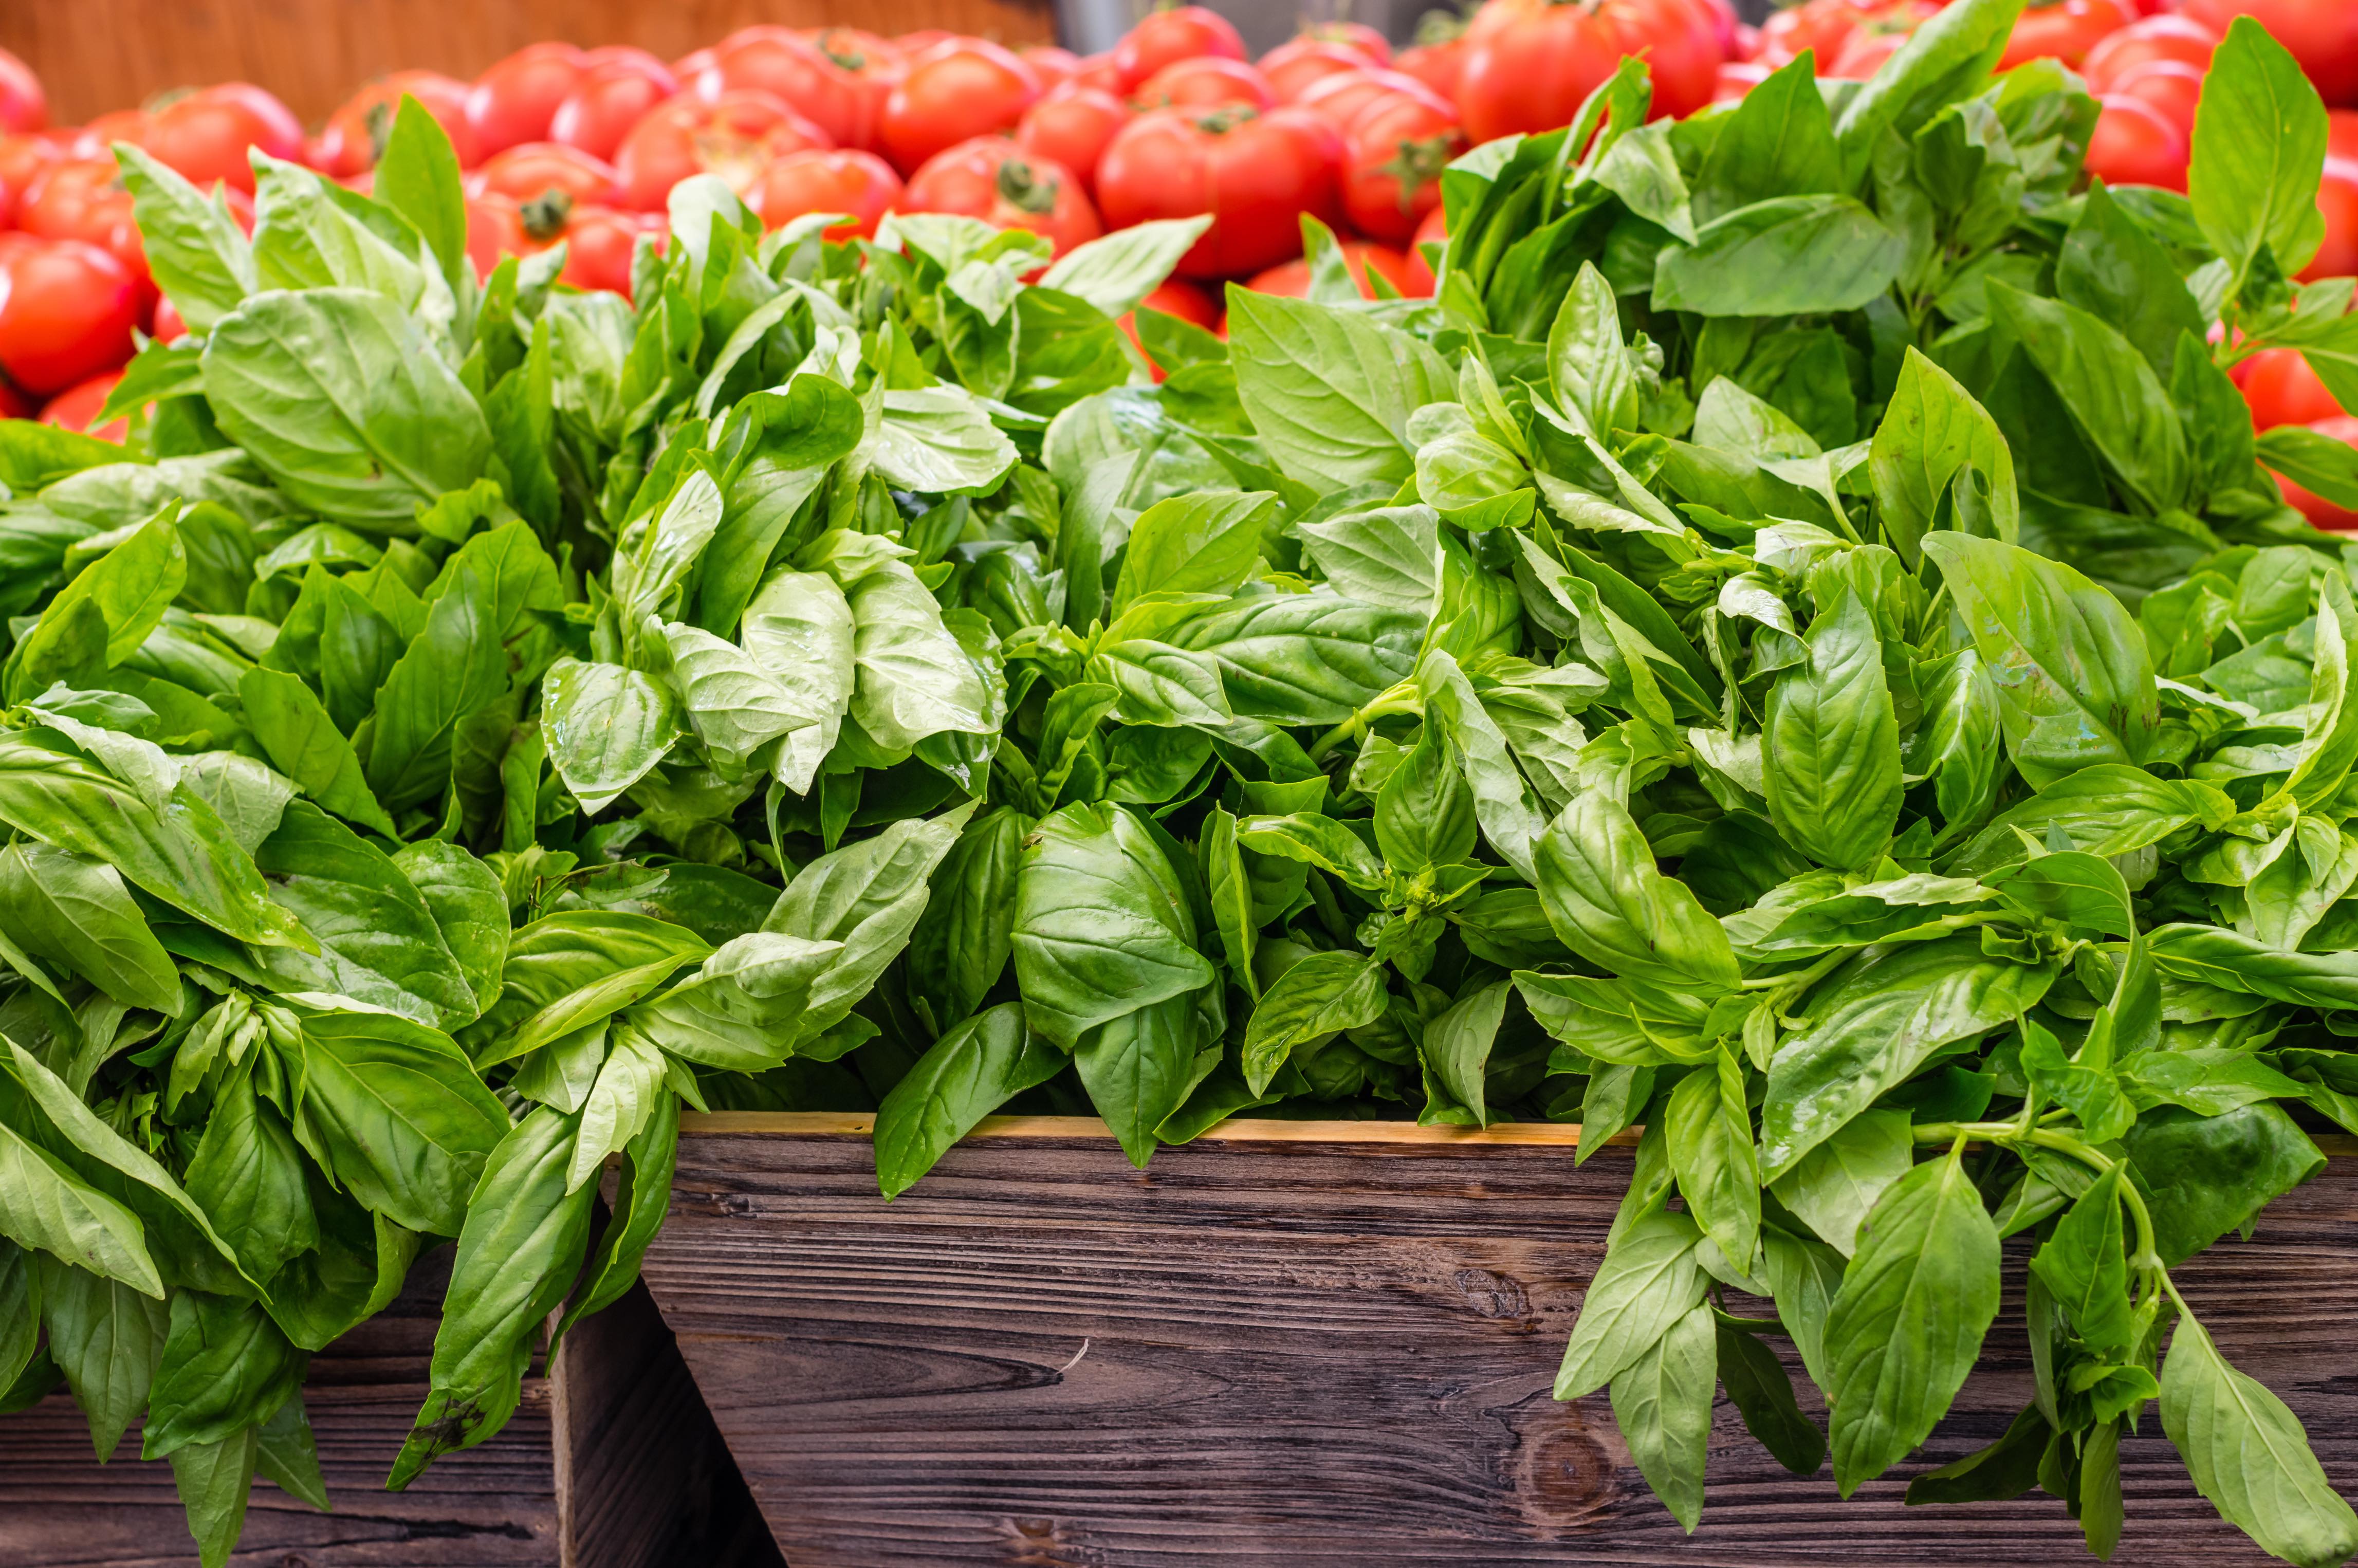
[(1318, 1354), (96, 55)]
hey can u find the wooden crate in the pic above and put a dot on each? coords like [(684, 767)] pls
[(1303, 1343), (97, 55), (610, 1462)]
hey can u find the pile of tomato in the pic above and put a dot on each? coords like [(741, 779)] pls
[(583, 146)]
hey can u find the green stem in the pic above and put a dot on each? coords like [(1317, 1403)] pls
[(1402, 698), (1800, 979)]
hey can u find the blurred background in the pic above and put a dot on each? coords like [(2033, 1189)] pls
[(97, 55)]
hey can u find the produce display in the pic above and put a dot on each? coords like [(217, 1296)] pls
[(1795, 644)]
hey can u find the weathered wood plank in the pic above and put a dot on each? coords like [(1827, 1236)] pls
[(1264, 1354)]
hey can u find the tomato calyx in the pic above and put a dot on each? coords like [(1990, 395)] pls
[(1219, 122), (1414, 162), (378, 122), (1437, 27), (848, 58), (545, 215), (1026, 187)]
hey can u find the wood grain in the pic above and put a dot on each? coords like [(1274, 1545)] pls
[(1263, 1354), (97, 55), (612, 1463)]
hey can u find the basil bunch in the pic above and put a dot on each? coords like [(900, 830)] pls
[(1795, 647)]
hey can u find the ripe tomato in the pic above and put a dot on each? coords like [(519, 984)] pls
[(952, 94), (514, 100), (2142, 42), (1437, 59), (992, 178), (22, 159), (1819, 27), (1172, 296), (1393, 159), (532, 168), (354, 139), (1529, 65), (494, 229), (1872, 42), (1737, 78), (733, 136), (2283, 390), (1183, 32), (2135, 145), (66, 312), (1254, 173), (204, 135), (1683, 41), (78, 405), (600, 243), (845, 180), (1341, 100), (1205, 82), (2341, 137), (85, 200), (1293, 65), (1370, 42), (1053, 66), (2172, 86), (170, 328), (1293, 277), (837, 79), (1072, 126), (2066, 30), (15, 404), (613, 94), (23, 105), (2337, 198), (1097, 70), (2321, 513), (2321, 34), (1435, 232)]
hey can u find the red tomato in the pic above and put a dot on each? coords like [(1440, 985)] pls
[(2135, 145), (1293, 65), (23, 105), (1435, 232), (2321, 513), (169, 326), (1530, 65), (1053, 66), (1870, 45), (1438, 64), (1370, 42), (2171, 86), (992, 178), (531, 169), (1172, 296), (2065, 30), (1393, 159), (1254, 173), (613, 94), (354, 139), (494, 229), (834, 79), (1293, 277), (845, 180), (2142, 42), (600, 243), (1097, 70), (15, 404), (1072, 126), (513, 103), (204, 135), (1818, 26), (1341, 100), (952, 94), (85, 200), (733, 136), (78, 405), (2283, 390), (1205, 82), (1683, 42), (1183, 32), (2321, 34), (22, 159), (912, 44), (2337, 198), (66, 312)]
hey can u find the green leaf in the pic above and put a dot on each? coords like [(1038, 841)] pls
[(1649, 1281), (287, 1455), (1946, 60), (1329, 390), (194, 250), (2111, 267), (964, 1076), (2114, 398), (1930, 429), (1204, 543), (607, 726), (74, 911), (1102, 926), (456, 664), (1322, 995), (2205, 1175), (214, 1480), (225, 1368), (640, 1207), (248, 1177), (1780, 141), (2259, 146), (379, 943), (339, 396), (417, 177), (1786, 255), (108, 1339), (1833, 1186), (915, 679), (1831, 745), (2247, 1455), (1662, 1403), (1762, 1392), (524, 1236), (1906, 1324), (2075, 686), (1139, 1067), (1589, 368), (1610, 903), (44, 1205), (2086, 1270), (1301, 658), (304, 744), (1118, 270)]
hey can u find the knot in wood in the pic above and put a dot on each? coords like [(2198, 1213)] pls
[(1493, 1295)]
